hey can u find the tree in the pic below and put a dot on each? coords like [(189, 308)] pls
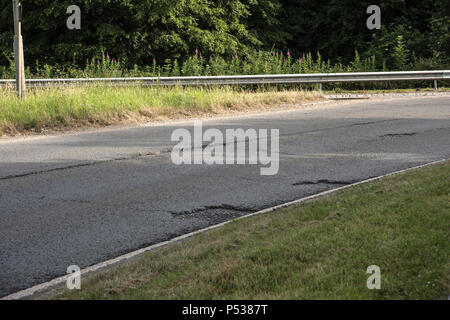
[(135, 31)]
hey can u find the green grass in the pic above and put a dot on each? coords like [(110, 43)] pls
[(96, 105), (317, 250)]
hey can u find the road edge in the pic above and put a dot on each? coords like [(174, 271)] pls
[(28, 293)]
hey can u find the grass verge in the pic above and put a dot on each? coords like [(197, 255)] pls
[(317, 250), (68, 108)]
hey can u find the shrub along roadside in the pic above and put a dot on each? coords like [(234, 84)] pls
[(259, 62)]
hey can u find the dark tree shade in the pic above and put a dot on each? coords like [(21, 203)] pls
[(138, 31)]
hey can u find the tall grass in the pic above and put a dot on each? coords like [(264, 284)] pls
[(260, 62), (57, 108)]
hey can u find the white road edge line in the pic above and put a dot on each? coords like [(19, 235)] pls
[(48, 285)]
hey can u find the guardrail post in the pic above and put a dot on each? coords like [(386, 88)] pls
[(435, 85), (18, 48), (320, 87)]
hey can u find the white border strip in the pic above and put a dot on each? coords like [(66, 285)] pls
[(48, 285)]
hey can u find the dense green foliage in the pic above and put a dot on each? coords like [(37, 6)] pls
[(337, 27), (414, 34)]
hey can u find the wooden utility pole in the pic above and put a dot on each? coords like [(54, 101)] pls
[(18, 48)]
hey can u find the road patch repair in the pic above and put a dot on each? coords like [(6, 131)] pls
[(375, 185)]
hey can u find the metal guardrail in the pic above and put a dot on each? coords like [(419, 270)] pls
[(245, 79)]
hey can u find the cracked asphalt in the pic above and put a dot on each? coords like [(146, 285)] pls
[(84, 198)]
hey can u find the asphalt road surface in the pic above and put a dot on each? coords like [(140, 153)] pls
[(87, 197)]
